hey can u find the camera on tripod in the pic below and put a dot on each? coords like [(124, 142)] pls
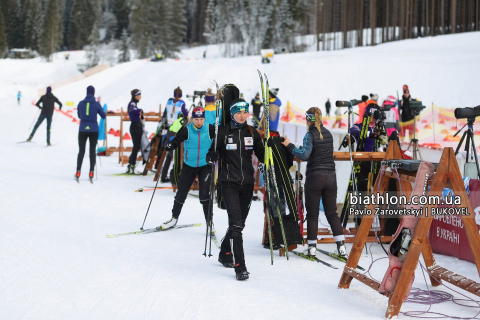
[(467, 113), (416, 107)]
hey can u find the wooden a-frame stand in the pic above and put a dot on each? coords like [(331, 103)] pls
[(447, 175)]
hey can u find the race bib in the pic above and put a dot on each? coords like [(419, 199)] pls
[(231, 146), (249, 141)]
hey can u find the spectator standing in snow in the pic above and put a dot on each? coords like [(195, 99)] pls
[(87, 111), (256, 106), (47, 101), (327, 107), (19, 96), (136, 129)]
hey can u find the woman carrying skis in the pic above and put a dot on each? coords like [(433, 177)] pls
[(136, 129), (87, 111), (235, 144), (197, 138), (321, 181)]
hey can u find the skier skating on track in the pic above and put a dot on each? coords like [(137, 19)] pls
[(87, 111), (47, 101), (235, 144), (197, 138), (136, 129), (321, 180)]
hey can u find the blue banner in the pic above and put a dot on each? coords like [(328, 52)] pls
[(101, 126)]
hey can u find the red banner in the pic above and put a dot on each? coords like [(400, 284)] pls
[(447, 234)]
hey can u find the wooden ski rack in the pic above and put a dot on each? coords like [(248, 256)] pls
[(123, 159), (447, 174)]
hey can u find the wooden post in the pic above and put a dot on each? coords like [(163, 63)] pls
[(432, 20), (120, 154), (373, 21), (453, 17), (360, 23)]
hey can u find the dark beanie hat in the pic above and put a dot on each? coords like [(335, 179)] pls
[(91, 90), (49, 89)]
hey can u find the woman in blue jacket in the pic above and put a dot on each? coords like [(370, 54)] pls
[(87, 111), (197, 138)]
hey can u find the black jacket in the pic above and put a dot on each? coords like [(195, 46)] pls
[(405, 108), (236, 153), (48, 101), (256, 106), (321, 157)]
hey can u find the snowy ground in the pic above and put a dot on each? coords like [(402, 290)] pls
[(57, 263)]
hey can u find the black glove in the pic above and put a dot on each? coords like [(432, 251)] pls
[(371, 135), (169, 147), (212, 157)]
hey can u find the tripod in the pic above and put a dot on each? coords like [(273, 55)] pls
[(414, 141), (470, 140)]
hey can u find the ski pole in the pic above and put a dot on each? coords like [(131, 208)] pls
[(212, 177), (34, 120), (156, 185)]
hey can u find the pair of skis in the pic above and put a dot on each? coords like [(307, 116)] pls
[(269, 174), (151, 230), (212, 182)]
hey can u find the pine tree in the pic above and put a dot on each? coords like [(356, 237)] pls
[(211, 22), (109, 24), (33, 24), (177, 26), (10, 14), (139, 24), (124, 47), (121, 9), (3, 36), (67, 12), (284, 27), (84, 15), (91, 49), (52, 30)]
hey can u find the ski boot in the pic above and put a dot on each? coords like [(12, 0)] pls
[(226, 259), (130, 169), (168, 224), (49, 144), (77, 176), (341, 250), (165, 180), (90, 175), (29, 138), (242, 275), (312, 249)]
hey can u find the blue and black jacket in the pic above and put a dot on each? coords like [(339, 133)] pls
[(196, 143), (87, 111)]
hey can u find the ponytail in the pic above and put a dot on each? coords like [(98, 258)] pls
[(318, 119)]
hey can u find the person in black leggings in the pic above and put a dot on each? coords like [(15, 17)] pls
[(136, 129), (321, 181), (87, 111)]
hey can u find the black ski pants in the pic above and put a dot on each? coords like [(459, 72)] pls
[(82, 143), (136, 131), (187, 176), (322, 184), (237, 200), (39, 122)]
